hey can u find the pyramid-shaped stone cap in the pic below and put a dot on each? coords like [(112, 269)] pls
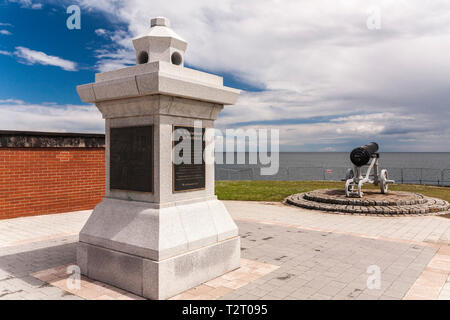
[(160, 43), (159, 71)]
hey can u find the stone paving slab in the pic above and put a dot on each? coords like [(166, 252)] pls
[(17, 263), (249, 271), (308, 265), (61, 277), (319, 256), (433, 283), (430, 229), (445, 291), (18, 231), (320, 265)]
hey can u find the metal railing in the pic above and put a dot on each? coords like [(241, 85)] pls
[(429, 176)]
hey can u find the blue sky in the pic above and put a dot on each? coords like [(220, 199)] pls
[(45, 30), (328, 74)]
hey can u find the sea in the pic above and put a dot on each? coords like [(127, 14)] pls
[(405, 167)]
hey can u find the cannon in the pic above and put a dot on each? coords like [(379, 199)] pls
[(366, 155)]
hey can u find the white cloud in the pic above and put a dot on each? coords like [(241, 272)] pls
[(4, 24), (100, 32), (28, 4), (18, 115), (13, 101), (5, 53), (114, 60), (5, 32), (314, 59), (28, 56), (307, 124)]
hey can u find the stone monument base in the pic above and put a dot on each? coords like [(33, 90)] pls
[(158, 252), (159, 279)]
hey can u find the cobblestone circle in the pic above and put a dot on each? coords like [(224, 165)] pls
[(394, 203)]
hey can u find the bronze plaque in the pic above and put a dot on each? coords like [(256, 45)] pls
[(190, 176), (131, 158)]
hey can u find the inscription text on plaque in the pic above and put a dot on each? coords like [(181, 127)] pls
[(131, 158), (190, 176)]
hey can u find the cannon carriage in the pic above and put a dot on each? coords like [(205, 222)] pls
[(366, 155)]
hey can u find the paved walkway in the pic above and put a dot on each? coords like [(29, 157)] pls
[(39, 228), (319, 255), (431, 229)]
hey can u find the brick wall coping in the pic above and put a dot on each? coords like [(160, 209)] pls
[(32, 139)]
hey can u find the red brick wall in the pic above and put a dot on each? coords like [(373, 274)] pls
[(50, 180)]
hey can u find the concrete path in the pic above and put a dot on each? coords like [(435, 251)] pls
[(431, 229), (319, 255), (39, 228)]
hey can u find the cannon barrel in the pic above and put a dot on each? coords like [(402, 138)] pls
[(361, 156)]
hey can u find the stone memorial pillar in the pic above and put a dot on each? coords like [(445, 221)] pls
[(160, 229)]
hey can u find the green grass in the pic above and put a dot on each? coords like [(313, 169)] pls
[(256, 190)]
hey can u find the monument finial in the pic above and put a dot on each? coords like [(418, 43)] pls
[(160, 43), (160, 21)]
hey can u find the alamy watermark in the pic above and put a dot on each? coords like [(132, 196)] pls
[(374, 280), (373, 21), (73, 281), (200, 145), (74, 20)]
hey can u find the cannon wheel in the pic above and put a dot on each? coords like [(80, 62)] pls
[(384, 181), (360, 185), (349, 174), (348, 188), (348, 182)]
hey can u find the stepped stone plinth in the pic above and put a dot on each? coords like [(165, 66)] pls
[(373, 203)]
